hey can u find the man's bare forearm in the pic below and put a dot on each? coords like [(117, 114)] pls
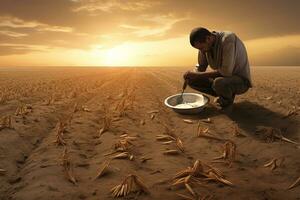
[(211, 74), (198, 75)]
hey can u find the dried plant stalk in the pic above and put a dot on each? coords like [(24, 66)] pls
[(153, 111), (198, 174), (208, 120), (152, 116), (270, 134), (188, 121), (144, 159), (5, 122), (290, 113), (107, 122), (122, 155), (3, 98), (204, 132), (294, 184), (123, 144), (229, 152), (68, 167), (165, 137), (75, 108), (85, 109), (103, 170), (169, 137), (237, 131), (23, 110), (60, 129), (274, 163), (131, 183), (171, 152), (179, 144), (125, 104)]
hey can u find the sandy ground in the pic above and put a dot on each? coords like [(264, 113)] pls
[(132, 100)]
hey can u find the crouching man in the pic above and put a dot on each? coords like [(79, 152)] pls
[(226, 55)]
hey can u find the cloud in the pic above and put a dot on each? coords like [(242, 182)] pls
[(80, 24), (12, 34), (111, 5), (13, 22), (14, 49)]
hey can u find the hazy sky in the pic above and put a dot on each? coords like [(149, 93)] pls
[(144, 33)]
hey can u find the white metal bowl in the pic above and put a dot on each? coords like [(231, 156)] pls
[(192, 103)]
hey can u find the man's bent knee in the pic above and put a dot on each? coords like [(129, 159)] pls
[(219, 84)]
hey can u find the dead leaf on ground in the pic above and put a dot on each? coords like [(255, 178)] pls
[(199, 174), (271, 134), (274, 163), (188, 121), (171, 152), (229, 152), (131, 184), (68, 167), (104, 169), (295, 184)]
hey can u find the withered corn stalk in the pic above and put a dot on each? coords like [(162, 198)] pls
[(49, 101), (237, 131), (295, 184), (199, 173), (23, 110), (171, 152), (153, 111), (169, 138), (85, 109), (208, 120), (104, 169), (106, 121), (271, 134), (274, 163), (229, 152), (204, 132), (75, 108), (290, 113), (60, 129), (188, 121), (68, 167), (125, 104), (5, 122), (123, 147), (131, 184), (3, 98)]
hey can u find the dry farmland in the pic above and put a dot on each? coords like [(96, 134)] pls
[(104, 133)]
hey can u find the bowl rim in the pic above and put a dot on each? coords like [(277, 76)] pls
[(197, 94)]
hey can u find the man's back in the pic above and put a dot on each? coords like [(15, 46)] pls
[(228, 55)]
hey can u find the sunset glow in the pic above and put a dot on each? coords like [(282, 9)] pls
[(139, 32)]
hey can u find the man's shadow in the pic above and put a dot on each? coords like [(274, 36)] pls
[(249, 115)]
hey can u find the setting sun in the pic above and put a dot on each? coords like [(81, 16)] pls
[(122, 55)]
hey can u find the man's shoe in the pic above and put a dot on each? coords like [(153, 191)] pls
[(222, 102)]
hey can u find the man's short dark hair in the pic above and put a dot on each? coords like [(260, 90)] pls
[(199, 35)]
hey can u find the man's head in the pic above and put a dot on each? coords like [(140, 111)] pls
[(202, 39)]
